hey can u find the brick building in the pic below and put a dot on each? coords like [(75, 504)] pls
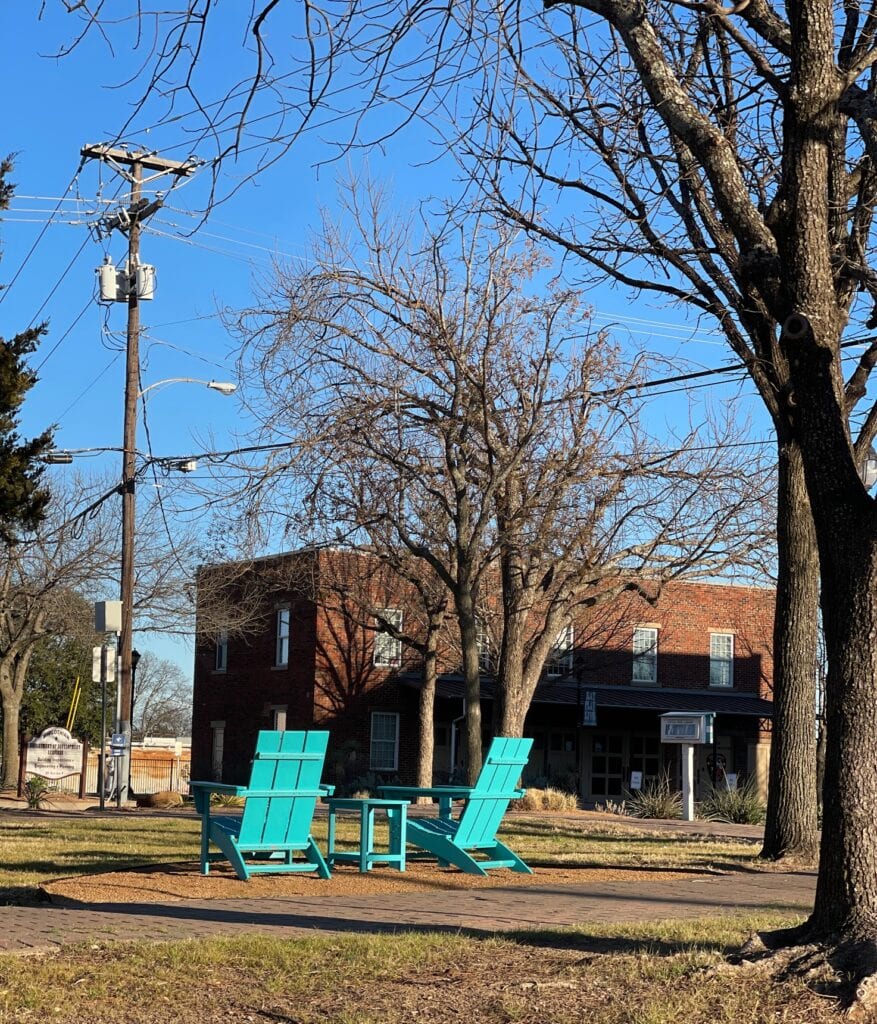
[(313, 658)]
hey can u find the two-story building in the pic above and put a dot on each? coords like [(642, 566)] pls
[(311, 658)]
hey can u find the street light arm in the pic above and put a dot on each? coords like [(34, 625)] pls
[(222, 386)]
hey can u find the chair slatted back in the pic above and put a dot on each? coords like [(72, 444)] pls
[(493, 791), (284, 788)]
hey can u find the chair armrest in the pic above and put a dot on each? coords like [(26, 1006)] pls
[(412, 792), (328, 789), (201, 792)]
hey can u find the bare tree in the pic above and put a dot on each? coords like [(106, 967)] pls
[(452, 405), (38, 574), (162, 704)]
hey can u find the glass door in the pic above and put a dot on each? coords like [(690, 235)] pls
[(607, 764)]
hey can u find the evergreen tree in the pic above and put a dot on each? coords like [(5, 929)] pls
[(23, 499)]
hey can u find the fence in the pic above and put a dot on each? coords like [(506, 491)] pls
[(149, 774)]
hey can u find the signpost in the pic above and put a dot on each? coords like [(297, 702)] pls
[(689, 729)]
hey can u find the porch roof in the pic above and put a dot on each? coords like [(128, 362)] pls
[(655, 698)]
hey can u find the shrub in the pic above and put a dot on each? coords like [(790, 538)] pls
[(547, 799), (611, 807), (35, 790), (656, 799), (226, 800), (740, 806)]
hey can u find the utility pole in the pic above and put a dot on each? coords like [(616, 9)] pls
[(131, 164)]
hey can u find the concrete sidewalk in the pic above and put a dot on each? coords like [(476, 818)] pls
[(484, 911)]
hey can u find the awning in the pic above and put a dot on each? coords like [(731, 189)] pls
[(664, 698)]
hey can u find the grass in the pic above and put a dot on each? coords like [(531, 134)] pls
[(646, 974), (41, 848), (654, 973)]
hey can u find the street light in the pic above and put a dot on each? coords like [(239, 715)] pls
[(224, 387), (126, 590)]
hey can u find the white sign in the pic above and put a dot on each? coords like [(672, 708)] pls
[(636, 780), (54, 754), (731, 779), (95, 664), (687, 727)]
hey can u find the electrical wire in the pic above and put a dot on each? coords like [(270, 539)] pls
[(39, 237)]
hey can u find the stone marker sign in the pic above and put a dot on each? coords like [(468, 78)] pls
[(53, 754)]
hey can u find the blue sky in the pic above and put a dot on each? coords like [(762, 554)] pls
[(58, 106)]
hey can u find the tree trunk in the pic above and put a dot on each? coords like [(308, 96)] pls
[(426, 711), (510, 704), (465, 606), (11, 708), (791, 824), (846, 892)]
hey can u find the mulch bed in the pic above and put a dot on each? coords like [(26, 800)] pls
[(173, 882)]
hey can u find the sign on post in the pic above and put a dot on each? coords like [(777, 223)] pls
[(689, 729), (54, 754), (95, 664)]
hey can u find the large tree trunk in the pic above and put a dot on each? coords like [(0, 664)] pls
[(846, 892), (11, 709), (509, 701), (426, 712), (791, 825), (465, 606)]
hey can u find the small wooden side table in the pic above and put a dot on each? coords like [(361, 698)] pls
[(366, 856)]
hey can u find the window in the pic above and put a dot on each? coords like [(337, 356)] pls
[(384, 751), (221, 660), (216, 749), (278, 715), (388, 649), (645, 654), (559, 660), (721, 659), (482, 638), (281, 638)]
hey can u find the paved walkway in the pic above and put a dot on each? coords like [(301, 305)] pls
[(48, 926)]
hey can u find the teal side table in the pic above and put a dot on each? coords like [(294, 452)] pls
[(366, 856)]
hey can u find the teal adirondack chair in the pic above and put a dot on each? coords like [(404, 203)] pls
[(474, 832), (278, 810)]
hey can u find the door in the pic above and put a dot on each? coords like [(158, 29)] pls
[(607, 765)]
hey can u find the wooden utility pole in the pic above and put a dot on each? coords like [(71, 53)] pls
[(131, 164)]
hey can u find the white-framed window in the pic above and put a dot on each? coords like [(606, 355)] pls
[(281, 637), (217, 747), (482, 638), (721, 659), (384, 746), (220, 663), (388, 649), (560, 657), (645, 654)]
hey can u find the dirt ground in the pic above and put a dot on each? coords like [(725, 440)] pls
[(185, 882)]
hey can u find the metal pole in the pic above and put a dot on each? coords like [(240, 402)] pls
[(687, 782), (129, 450), (102, 755)]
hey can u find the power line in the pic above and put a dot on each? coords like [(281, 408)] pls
[(39, 237)]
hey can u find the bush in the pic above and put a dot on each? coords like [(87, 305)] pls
[(657, 799), (226, 800), (36, 789), (548, 799), (740, 806)]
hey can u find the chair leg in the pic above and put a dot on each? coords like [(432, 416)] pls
[(314, 856), (502, 852)]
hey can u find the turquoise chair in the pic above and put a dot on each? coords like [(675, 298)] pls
[(278, 810), (474, 832)]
